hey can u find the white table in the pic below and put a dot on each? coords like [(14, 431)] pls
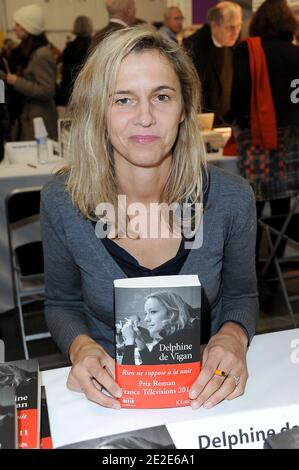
[(271, 401), (11, 177)]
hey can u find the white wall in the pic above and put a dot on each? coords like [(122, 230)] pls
[(60, 14)]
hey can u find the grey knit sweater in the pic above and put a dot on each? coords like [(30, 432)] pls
[(80, 272)]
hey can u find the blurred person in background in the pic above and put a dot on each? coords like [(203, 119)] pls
[(74, 56), (8, 46), (121, 14), (33, 75), (4, 116), (266, 118), (295, 10), (211, 51), (173, 22)]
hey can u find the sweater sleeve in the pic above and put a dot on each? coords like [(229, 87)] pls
[(240, 297), (42, 85), (64, 304)]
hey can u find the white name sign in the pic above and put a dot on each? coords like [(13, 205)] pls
[(240, 431)]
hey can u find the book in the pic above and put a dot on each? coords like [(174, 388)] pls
[(157, 339), (8, 419), (24, 378), (156, 437), (288, 439), (45, 430)]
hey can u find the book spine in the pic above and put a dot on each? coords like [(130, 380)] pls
[(45, 431)]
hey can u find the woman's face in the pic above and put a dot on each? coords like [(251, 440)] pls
[(155, 317), (146, 110), (20, 32)]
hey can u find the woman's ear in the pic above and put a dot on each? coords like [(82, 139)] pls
[(183, 116)]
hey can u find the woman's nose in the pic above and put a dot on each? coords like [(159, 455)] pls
[(144, 115)]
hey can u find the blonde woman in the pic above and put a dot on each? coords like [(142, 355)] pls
[(134, 142), (169, 320)]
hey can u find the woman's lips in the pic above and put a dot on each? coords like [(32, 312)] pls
[(144, 139)]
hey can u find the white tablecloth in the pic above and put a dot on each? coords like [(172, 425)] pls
[(12, 177), (271, 402)]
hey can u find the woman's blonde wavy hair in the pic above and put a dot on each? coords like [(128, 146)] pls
[(90, 172), (178, 311)]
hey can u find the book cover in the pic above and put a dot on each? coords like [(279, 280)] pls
[(8, 419), (288, 439), (156, 437), (23, 376), (45, 430), (157, 339)]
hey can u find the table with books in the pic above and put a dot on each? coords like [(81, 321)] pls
[(21, 172), (269, 405)]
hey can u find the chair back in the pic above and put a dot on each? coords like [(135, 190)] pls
[(23, 203), (2, 354), (22, 215)]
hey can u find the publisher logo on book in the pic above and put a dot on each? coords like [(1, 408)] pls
[(158, 220), (128, 401)]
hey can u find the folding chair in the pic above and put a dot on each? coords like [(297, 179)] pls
[(22, 208), (283, 228), (2, 351)]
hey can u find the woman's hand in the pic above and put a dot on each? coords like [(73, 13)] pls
[(226, 351), (11, 78), (128, 332), (93, 373)]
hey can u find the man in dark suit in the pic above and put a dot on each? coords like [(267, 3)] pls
[(211, 51), (121, 14)]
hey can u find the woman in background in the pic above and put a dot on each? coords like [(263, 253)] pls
[(33, 77), (267, 119), (74, 55)]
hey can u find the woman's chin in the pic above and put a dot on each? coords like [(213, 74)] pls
[(147, 162), (144, 159)]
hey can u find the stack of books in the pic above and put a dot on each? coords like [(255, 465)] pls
[(24, 422)]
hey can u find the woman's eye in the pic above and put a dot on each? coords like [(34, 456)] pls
[(162, 98), (122, 101)]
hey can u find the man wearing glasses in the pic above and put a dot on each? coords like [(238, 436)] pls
[(173, 22)]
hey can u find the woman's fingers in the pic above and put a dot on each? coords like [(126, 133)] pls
[(103, 376), (219, 389), (210, 389), (240, 381), (109, 364), (95, 381)]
